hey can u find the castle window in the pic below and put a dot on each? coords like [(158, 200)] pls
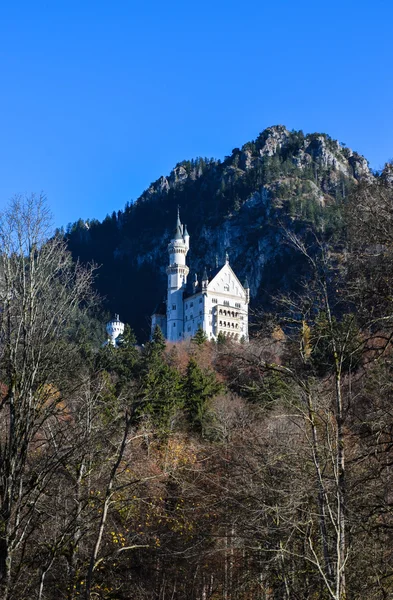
[(237, 305), (189, 329), (173, 306), (191, 304), (200, 300), (200, 313), (226, 288), (174, 324), (226, 302), (214, 300)]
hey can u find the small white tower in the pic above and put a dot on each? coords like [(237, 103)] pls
[(177, 272), (114, 328)]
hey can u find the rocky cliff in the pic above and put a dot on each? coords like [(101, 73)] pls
[(240, 205)]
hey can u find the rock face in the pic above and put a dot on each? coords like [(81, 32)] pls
[(241, 205), (387, 173), (276, 138)]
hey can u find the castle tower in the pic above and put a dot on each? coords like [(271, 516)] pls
[(114, 329), (177, 272)]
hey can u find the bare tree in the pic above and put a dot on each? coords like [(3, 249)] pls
[(41, 291)]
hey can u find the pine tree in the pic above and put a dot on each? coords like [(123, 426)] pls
[(221, 339), (158, 338), (200, 386), (200, 337), (160, 394), (128, 339)]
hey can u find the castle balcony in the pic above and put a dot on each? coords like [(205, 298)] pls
[(226, 320)]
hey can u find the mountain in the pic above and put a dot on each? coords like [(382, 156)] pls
[(241, 205)]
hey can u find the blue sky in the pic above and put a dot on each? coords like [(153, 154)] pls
[(98, 99)]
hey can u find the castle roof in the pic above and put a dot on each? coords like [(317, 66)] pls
[(160, 309), (178, 234)]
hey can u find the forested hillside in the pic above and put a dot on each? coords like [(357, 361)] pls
[(240, 205), (201, 471)]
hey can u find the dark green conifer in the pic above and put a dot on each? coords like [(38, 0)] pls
[(160, 394), (200, 386), (200, 337)]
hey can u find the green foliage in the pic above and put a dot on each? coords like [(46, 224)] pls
[(128, 339), (221, 339), (200, 386), (272, 388), (160, 394), (158, 342), (122, 362), (200, 337)]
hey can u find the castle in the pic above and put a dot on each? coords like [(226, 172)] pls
[(218, 304)]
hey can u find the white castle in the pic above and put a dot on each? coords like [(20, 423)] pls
[(217, 304)]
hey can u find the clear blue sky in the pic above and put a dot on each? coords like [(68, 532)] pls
[(98, 99)]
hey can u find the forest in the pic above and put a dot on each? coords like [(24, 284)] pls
[(200, 470)]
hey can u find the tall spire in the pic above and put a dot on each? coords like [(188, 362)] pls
[(179, 229), (178, 222)]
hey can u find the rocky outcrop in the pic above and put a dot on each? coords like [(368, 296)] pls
[(387, 173), (277, 137)]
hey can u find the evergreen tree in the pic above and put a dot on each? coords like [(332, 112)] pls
[(200, 337), (158, 339), (127, 339), (200, 386), (160, 393), (221, 339)]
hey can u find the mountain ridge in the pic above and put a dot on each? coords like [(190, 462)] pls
[(238, 205)]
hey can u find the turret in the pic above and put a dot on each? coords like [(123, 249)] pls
[(114, 329), (179, 228)]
